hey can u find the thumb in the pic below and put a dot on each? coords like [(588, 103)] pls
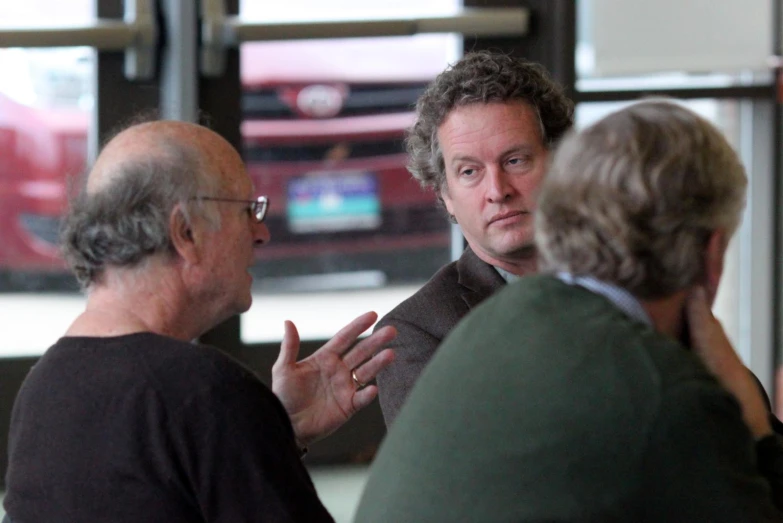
[(289, 347)]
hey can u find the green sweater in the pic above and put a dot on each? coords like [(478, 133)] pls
[(547, 403)]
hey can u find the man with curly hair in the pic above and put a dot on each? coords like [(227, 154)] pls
[(481, 141)]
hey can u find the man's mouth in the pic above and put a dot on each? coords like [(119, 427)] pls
[(506, 215)]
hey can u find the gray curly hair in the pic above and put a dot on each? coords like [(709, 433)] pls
[(633, 199), (127, 221), (482, 77)]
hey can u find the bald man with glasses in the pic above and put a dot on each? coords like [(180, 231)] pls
[(124, 419)]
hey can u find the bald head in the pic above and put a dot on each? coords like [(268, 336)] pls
[(156, 141), (122, 216)]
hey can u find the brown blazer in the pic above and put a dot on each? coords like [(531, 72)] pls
[(424, 319)]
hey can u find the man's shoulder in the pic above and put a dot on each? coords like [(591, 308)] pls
[(443, 297), (202, 377), (673, 363), (435, 308), (442, 287), (165, 361), (202, 362), (540, 311)]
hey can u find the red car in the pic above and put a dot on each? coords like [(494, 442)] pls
[(38, 150), (323, 129)]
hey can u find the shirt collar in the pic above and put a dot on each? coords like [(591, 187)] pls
[(621, 298), (508, 276)]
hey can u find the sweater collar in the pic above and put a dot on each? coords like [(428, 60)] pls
[(621, 298)]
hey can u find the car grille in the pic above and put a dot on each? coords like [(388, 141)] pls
[(266, 103), (320, 152)]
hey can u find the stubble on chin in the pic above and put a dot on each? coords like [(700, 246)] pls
[(525, 252)]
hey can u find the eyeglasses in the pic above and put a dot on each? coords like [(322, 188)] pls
[(257, 208)]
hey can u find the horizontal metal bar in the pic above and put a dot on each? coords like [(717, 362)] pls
[(751, 92), (105, 35), (474, 22), (137, 35)]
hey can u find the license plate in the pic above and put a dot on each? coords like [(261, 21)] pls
[(330, 202)]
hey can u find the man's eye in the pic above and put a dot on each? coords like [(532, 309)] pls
[(518, 160), (468, 172)]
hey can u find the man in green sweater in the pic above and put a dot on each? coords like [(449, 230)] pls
[(603, 389)]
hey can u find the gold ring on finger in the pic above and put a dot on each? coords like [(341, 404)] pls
[(359, 384)]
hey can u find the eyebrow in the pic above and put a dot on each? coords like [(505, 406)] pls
[(519, 148)]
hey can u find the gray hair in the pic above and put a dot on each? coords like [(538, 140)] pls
[(633, 199), (482, 77), (127, 221)]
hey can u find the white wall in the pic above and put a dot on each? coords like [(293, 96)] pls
[(627, 37)]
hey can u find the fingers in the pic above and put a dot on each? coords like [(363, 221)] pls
[(713, 347), (348, 334), (369, 346), (289, 347), (364, 397), (707, 337), (699, 318), (370, 369)]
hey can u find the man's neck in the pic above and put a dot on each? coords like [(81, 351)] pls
[(519, 264), (126, 304), (668, 315), (518, 267)]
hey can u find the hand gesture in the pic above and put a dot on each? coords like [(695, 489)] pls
[(322, 392), (710, 343)]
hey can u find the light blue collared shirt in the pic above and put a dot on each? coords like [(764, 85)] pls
[(621, 298), (508, 276)]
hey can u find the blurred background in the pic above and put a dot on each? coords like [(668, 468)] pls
[(317, 96)]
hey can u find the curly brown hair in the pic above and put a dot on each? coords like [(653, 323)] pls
[(482, 77)]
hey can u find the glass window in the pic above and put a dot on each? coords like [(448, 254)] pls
[(638, 37), (46, 103), (45, 109), (33, 13), (313, 10), (323, 127)]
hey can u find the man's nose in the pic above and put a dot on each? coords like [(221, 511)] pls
[(261, 234), (499, 188)]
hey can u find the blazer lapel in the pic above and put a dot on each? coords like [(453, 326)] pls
[(479, 280)]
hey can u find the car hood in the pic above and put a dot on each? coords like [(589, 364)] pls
[(58, 121), (356, 60)]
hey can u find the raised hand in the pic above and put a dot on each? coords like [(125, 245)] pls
[(710, 343), (323, 391)]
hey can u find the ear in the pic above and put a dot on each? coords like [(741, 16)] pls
[(182, 235), (714, 258), (444, 194)]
